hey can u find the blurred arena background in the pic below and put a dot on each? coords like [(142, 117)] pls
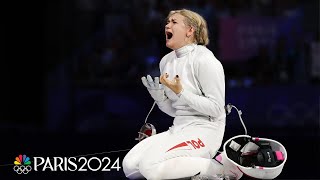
[(71, 75)]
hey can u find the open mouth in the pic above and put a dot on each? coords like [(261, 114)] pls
[(169, 35)]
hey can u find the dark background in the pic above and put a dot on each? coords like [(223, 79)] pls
[(70, 79)]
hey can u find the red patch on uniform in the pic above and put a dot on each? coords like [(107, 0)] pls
[(179, 145)]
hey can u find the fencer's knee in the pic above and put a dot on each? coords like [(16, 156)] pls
[(150, 170), (129, 166)]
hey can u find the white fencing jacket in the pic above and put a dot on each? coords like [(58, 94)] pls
[(203, 81)]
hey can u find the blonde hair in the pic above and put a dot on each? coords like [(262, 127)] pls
[(196, 21)]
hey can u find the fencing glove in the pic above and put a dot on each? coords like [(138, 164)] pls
[(155, 89)]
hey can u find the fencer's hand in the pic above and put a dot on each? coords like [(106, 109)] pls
[(175, 84), (155, 89), (150, 84)]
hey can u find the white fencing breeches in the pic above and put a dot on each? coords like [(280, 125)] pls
[(176, 153)]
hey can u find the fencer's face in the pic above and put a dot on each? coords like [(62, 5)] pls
[(177, 32)]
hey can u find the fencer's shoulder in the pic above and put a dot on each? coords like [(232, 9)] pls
[(205, 55), (203, 49), (168, 57)]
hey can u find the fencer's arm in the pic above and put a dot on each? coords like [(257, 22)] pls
[(210, 75), (166, 107)]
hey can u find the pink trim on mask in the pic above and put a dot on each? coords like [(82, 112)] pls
[(279, 156)]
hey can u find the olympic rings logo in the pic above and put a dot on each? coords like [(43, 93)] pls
[(21, 169)]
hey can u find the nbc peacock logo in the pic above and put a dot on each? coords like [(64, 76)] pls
[(22, 164)]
